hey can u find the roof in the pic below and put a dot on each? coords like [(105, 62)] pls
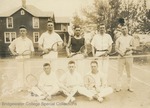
[(29, 8), (148, 4), (62, 19)]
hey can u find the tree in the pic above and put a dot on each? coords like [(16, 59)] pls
[(77, 20), (109, 11)]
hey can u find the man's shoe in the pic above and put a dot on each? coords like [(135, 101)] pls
[(100, 99), (130, 90), (118, 89)]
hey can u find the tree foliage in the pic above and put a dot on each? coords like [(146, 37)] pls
[(109, 11)]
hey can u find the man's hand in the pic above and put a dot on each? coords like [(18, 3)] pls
[(46, 51), (69, 55), (122, 54)]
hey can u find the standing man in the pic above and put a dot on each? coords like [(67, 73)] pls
[(75, 43), (47, 84), (124, 46), (22, 48), (22, 45), (71, 83), (99, 88), (47, 40), (101, 47)]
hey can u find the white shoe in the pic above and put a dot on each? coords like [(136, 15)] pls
[(67, 100), (90, 98), (72, 99), (130, 90), (100, 99), (118, 89), (49, 98)]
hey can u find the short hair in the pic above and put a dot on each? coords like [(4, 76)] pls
[(22, 26), (71, 62), (50, 20), (46, 64), (101, 24), (94, 62), (76, 26)]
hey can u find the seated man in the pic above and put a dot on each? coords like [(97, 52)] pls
[(99, 84), (71, 83), (47, 85)]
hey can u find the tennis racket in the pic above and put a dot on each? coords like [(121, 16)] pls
[(24, 53), (57, 47), (31, 80), (81, 51), (89, 82)]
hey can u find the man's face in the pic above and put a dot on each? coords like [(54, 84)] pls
[(71, 67), (50, 26), (23, 32), (102, 29), (94, 68), (125, 30), (47, 69), (77, 31)]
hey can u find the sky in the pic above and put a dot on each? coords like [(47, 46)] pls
[(59, 7)]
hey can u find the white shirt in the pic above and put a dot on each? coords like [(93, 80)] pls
[(47, 80), (69, 79), (124, 42), (101, 42), (20, 45), (47, 40), (98, 78)]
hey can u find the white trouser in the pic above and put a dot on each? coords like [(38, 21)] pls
[(19, 82), (105, 91), (103, 65), (127, 63), (51, 55), (50, 90), (81, 90)]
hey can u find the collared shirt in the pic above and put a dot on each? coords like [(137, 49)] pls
[(71, 80), (101, 42), (98, 78), (21, 44), (48, 80), (47, 40), (124, 42)]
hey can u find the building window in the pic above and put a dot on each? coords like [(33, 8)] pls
[(35, 22), (58, 26), (64, 27), (36, 37), (9, 36), (22, 12), (9, 22)]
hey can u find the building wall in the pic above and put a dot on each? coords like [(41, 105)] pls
[(26, 20)]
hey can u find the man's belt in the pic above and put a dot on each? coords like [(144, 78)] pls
[(102, 50)]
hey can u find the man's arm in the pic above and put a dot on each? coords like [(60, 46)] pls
[(68, 46), (12, 48), (117, 48), (40, 44)]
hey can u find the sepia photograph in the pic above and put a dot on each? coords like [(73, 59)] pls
[(75, 53)]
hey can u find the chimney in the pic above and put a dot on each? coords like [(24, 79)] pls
[(24, 3)]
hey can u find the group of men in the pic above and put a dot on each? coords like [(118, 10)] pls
[(70, 83), (101, 47)]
